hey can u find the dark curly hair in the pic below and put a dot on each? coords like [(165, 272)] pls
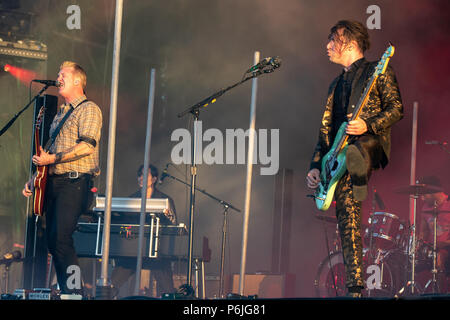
[(153, 171), (352, 30)]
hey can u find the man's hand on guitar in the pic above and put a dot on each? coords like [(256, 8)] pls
[(356, 127), (43, 159), (313, 178)]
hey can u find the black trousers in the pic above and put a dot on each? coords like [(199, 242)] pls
[(160, 268), (348, 210), (66, 200)]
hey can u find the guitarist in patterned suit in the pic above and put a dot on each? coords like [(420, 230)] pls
[(369, 136), (73, 161)]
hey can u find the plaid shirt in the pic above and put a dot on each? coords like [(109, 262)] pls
[(84, 122)]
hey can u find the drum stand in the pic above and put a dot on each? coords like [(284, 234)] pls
[(330, 252), (410, 285), (434, 271)]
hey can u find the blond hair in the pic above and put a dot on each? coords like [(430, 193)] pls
[(77, 71)]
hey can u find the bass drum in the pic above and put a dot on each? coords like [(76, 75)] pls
[(379, 279)]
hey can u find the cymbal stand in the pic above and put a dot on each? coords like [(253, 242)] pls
[(410, 285), (330, 253), (434, 271)]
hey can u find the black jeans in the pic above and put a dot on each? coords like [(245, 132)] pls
[(161, 269), (66, 200)]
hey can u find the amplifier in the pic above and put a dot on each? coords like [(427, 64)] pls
[(266, 285), (42, 294)]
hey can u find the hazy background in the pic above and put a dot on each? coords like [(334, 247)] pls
[(200, 46)]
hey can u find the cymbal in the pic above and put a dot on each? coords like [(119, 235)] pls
[(418, 189), (326, 218)]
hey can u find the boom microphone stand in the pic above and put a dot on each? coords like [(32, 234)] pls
[(226, 206), (267, 67), (10, 123)]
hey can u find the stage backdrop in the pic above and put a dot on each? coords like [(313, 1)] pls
[(198, 47)]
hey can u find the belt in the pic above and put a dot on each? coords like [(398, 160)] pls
[(71, 175)]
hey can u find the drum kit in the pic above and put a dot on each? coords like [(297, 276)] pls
[(391, 255)]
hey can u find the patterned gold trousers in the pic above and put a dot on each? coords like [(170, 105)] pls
[(348, 213)]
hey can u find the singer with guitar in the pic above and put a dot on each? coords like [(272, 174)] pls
[(367, 133), (72, 160)]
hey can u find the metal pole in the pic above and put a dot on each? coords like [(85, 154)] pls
[(413, 200), (249, 177), (412, 179), (192, 196), (222, 256), (148, 139), (111, 143)]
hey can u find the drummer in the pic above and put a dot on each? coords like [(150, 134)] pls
[(437, 202)]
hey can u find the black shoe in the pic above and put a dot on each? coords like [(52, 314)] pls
[(354, 292), (357, 168), (354, 295)]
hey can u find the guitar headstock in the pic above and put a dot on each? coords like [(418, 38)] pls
[(39, 118), (383, 63)]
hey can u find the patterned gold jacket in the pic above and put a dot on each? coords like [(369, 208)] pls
[(383, 108)]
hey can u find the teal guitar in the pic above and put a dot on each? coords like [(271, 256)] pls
[(333, 163)]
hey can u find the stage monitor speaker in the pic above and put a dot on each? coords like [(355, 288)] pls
[(281, 224), (266, 285)]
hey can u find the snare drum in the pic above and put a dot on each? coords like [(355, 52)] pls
[(424, 254), (386, 229)]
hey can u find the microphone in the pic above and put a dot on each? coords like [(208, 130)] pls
[(11, 257), (48, 82), (163, 174), (274, 62), (436, 142)]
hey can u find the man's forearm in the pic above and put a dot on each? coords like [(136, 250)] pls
[(76, 152)]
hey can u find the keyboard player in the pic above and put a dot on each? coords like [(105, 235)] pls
[(161, 268)]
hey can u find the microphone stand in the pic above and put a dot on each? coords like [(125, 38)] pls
[(226, 206), (10, 123), (195, 111)]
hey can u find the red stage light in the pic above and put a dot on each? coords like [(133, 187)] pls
[(23, 75)]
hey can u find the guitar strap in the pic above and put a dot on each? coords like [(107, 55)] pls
[(60, 125), (363, 74), (359, 83)]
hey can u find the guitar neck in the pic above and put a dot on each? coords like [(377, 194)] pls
[(37, 143), (364, 97), (37, 128), (362, 101)]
